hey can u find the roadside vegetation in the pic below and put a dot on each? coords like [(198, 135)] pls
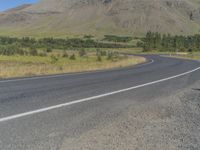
[(114, 38), (29, 56), (176, 46), (55, 43), (165, 44), (57, 61)]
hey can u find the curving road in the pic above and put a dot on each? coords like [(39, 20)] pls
[(39, 113)]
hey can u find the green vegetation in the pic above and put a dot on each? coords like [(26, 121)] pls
[(158, 42), (65, 54), (30, 56), (54, 59), (114, 38), (29, 46), (72, 57), (54, 63)]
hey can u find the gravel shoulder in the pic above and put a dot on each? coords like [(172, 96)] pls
[(168, 123)]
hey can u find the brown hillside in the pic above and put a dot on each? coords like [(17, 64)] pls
[(57, 17)]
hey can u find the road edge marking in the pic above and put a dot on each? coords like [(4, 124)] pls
[(92, 98)]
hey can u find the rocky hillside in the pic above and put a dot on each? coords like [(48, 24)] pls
[(99, 17)]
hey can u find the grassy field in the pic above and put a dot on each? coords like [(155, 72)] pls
[(135, 50), (185, 55), (194, 56), (20, 66)]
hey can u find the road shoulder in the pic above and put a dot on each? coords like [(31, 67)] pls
[(173, 123)]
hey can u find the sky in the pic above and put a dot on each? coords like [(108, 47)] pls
[(7, 4)]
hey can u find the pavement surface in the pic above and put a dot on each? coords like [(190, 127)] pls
[(129, 108)]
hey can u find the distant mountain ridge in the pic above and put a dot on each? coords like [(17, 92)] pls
[(99, 17)]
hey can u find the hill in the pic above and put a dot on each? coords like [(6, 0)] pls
[(99, 17)]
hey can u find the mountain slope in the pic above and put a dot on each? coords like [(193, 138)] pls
[(61, 17)]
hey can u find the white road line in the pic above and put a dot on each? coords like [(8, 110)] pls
[(91, 98), (148, 63), (62, 75)]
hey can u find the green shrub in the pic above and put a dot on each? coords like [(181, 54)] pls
[(65, 55), (33, 51), (99, 58), (42, 54), (54, 59), (100, 52), (103, 53), (115, 38), (13, 49), (72, 57), (49, 50)]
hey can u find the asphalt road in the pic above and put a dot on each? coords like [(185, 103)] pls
[(39, 113)]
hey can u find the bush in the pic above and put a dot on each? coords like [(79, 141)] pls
[(116, 54), (58, 55), (54, 59), (100, 52), (20, 51), (113, 55), (99, 58), (110, 56), (140, 44), (43, 54), (33, 51), (82, 53), (190, 50), (13, 49), (72, 57), (49, 50), (103, 53), (65, 55)]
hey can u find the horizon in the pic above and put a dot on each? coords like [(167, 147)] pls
[(9, 4)]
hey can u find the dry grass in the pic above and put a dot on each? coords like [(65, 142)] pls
[(188, 56), (20, 66)]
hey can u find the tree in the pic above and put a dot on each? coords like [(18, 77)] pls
[(155, 41), (191, 16), (149, 41)]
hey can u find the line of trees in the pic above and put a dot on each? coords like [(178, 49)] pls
[(156, 41), (15, 49), (57, 43), (114, 38), (34, 47)]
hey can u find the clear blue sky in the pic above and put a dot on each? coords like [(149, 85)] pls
[(7, 4)]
